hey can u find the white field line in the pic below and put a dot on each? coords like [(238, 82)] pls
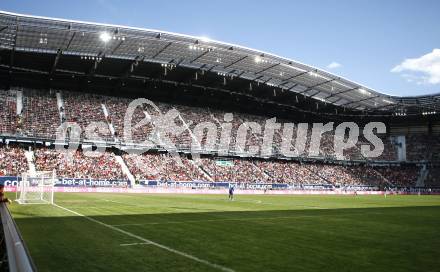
[(219, 220), (172, 250), (135, 244), (123, 203), (221, 200)]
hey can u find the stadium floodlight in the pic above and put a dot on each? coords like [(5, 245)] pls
[(205, 39), (363, 91), (105, 37), (313, 74)]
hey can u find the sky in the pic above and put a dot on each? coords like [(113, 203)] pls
[(391, 46)]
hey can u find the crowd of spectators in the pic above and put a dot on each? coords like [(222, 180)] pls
[(163, 167), (41, 116), (8, 112), (117, 108), (433, 177), (78, 165), (84, 109), (12, 160), (400, 175), (367, 175), (421, 147), (289, 172), (234, 170)]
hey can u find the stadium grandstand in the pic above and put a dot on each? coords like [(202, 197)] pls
[(58, 71), (117, 112)]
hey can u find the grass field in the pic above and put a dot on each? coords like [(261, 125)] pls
[(128, 232)]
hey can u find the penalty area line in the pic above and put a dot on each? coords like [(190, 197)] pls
[(219, 220), (169, 249), (134, 244)]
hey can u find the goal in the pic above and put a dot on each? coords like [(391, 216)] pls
[(36, 188)]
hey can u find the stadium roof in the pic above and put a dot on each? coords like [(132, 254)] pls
[(32, 34)]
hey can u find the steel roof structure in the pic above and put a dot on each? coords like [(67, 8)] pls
[(93, 41)]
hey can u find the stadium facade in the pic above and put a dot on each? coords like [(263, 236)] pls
[(71, 64)]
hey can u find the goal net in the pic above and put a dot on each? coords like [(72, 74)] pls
[(36, 188)]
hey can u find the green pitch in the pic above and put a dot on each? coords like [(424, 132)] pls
[(129, 232)]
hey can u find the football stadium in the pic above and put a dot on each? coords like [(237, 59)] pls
[(132, 149)]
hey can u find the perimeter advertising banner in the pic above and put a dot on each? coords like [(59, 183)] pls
[(70, 182), (99, 183), (9, 180), (75, 182), (213, 185)]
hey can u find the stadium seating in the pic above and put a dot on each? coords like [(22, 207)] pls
[(423, 147), (103, 166), (238, 170), (400, 176), (433, 178), (8, 112), (86, 108), (161, 166), (117, 108), (289, 172), (12, 160), (41, 116)]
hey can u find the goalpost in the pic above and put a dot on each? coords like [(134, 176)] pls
[(36, 188)]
